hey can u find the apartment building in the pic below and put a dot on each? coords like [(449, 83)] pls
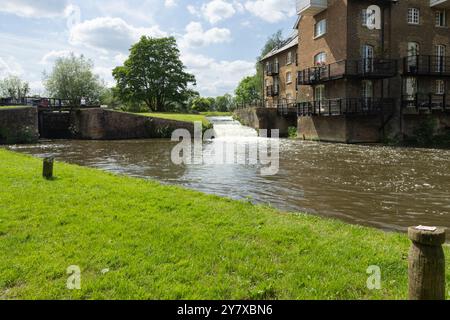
[(280, 73), (390, 59)]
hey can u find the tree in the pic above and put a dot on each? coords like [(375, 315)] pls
[(14, 87), (247, 90), (224, 103), (201, 104), (72, 79), (154, 74)]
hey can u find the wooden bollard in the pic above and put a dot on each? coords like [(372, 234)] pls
[(47, 171), (426, 266)]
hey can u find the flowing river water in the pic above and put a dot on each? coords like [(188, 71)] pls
[(383, 187)]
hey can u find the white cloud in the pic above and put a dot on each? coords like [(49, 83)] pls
[(110, 34), (271, 10), (217, 77), (196, 37), (51, 56), (10, 66), (33, 8), (193, 10), (217, 10), (170, 3)]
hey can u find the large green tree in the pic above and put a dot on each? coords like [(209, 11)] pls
[(224, 103), (14, 87), (154, 74), (72, 78), (247, 90)]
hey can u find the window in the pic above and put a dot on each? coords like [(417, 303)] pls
[(413, 16), (441, 19), (411, 87), (440, 57), (319, 93), (367, 89), (289, 58), (320, 58), (320, 28), (288, 77), (368, 17), (440, 86)]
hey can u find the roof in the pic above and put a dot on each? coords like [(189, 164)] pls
[(292, 41)]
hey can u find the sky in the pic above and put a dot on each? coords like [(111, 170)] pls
[(219, 40)]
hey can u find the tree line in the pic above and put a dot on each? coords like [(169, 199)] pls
[(152, 78)]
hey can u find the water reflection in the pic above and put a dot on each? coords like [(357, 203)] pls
[(389, 188)]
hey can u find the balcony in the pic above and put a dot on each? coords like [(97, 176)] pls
[(273, 90), (363, 68), (348, 106), (440, 4), (311, 7), (272, 69), (426, 102), (426, 66)]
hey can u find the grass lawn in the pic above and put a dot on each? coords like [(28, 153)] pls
[(180, 117), (216, 114), (13, 107), (165, 242)]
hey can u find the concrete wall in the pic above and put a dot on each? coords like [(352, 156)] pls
[(343, 129), (266, 118), (412, 122), (18, 125), (100, 124)]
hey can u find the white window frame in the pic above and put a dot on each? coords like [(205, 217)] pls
[(321, 57), (320, 28), (289, 58), (440, 87), (441, 18), (413, 16), (288, 77)]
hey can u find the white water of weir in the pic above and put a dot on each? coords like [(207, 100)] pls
[(225, 128)]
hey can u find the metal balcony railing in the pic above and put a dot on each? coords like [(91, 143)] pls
[(426, 65), (272, 90), (363, 68), (272, 68), (336, 107), (428, 102)]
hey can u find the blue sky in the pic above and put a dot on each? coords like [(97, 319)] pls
[(219, 39)]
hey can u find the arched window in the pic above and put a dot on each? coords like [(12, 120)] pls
[(320, 58)]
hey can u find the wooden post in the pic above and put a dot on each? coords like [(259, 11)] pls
[(426, 263), (47, 171)]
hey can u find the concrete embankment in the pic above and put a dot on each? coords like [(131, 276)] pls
[(101, 124), (28, 124), (266, 118), (18, 125)]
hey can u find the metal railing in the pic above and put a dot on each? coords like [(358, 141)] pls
[(336, 107), (272, 68), (429, 102), (426, 65), (273, 90), (51, 103), (363, 68)]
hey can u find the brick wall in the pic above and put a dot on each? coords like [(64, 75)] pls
[(18, 125)]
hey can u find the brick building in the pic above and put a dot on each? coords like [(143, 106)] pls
[(280, 73), (403, 62), (364, 65)]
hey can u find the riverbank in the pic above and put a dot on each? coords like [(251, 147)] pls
[(137, 239)]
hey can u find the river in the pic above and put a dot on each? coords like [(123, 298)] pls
[(384, 187)]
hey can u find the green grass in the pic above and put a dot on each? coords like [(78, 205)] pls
[(13, 107), (180, 117), (216, 114), (165, 242)]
